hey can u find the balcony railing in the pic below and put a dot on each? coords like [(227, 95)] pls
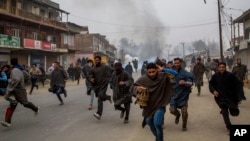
[(38, 18), (243, 44), (41, 19)]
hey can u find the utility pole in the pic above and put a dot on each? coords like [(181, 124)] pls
[(168, 49), (220, 31), (183, 50)]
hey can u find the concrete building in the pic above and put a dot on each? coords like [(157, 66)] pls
[(91, 45), (33, 31), (241, 42), (69, 43)]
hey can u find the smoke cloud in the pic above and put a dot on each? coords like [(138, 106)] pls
[(133, 20)]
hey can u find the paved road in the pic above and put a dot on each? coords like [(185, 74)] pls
[(73, 121)]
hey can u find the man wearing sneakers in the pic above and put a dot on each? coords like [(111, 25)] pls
[(100, 78), (58, 80), (16, 88), (86, 70)]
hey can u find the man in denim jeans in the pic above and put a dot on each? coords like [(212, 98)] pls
[(159, 90), (58, 80)]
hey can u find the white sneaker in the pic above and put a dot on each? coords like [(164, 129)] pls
[(6, 124), (97, 116)]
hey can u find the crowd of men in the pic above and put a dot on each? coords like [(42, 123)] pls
[(161, 83)]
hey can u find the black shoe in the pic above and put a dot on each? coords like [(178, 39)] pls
[(61, 103), (122, 114), (109, 99), (65, 93), (177, 119), (125, 121), (37, 87)]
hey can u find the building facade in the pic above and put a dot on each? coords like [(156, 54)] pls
[(241, 43), (32, 30), (91, 45)]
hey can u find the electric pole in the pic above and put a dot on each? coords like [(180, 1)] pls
[(183, 50), (220, 31)]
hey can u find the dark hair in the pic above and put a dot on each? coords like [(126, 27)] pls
[(7, 66), (159, 62), (34, 65), (56, 62), (222, 63), (170, 62), (99, 57), (89, 61), (175, 59), (118, 64), (198, 59), (14, 61), (151, 66)]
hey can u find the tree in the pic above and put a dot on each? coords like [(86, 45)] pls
[(199, 45)]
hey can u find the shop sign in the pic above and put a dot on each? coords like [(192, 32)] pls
[(9, 41)]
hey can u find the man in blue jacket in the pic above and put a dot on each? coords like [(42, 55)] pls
[(182, 89)]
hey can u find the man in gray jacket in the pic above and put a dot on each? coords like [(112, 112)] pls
[(16, 88)]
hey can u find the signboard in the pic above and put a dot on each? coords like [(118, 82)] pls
[(9, 41), (46, 46), (34, 44), (53, 47)]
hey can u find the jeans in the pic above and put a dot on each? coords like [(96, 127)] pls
[(102, 96), (92, 94), (59, 91), (155, 123), (33, 84)]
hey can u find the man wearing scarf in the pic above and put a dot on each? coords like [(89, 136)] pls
[(120, 83), (160, 90)]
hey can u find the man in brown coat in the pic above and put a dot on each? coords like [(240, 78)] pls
[(198, 72), (240, 71)]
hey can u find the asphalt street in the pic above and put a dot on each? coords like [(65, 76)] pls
[(74, 122)]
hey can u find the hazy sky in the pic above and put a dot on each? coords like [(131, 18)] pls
[(173, 21)]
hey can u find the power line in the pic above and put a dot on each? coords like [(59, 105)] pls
[(137, 26)]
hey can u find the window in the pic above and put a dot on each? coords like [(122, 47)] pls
[(16, 32), (1, 30), (35, 35), (2, 4)]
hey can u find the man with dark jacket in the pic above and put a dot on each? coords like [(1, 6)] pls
[(226, 89), (58, 80), (129, 69), (120, 83), (240, 71), (100, 77), (198, 72), (16, 88), (86, 71)]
